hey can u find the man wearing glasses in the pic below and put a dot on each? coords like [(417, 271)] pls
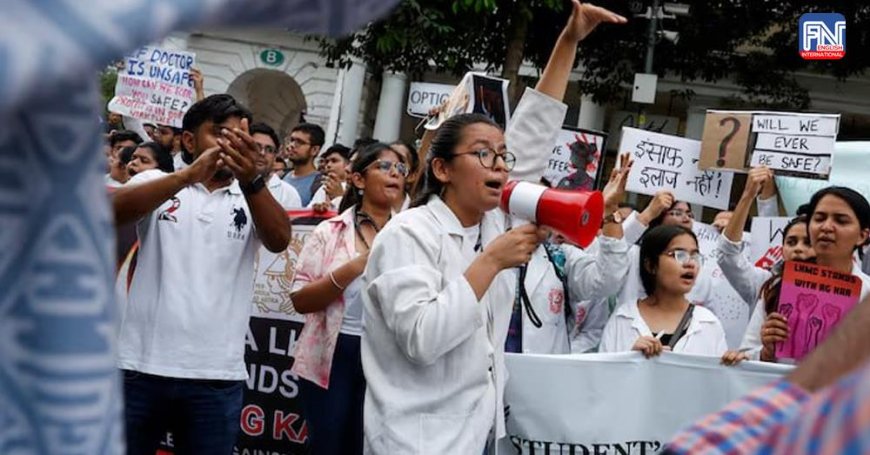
[(269, 144), (302, 146)]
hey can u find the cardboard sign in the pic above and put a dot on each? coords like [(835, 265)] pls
[(669, 162), (155, 86), (424, 96), (795, 144), (576, 160), (789, 143), (813, 300), (767, 237), (725, 143)]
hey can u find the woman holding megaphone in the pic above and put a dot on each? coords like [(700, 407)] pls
[(440, 283)]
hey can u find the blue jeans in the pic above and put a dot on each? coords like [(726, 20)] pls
[(335, 415), (203, 415)]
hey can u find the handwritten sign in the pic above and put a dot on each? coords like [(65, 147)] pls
[(795, 144), (726, 138), (155, 86), (424, 96), (813, 300), (669, 162), (708, 238), (625, 119), (767, 238), (576, 160)]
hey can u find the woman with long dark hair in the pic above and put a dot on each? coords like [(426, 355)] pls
[(328, 288), (839, 226), (440, 283)]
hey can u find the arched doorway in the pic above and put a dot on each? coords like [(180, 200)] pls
[(273, 96)]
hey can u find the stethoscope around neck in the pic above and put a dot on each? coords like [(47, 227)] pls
[(360, 218)]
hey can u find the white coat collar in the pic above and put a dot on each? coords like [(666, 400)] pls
[(445, 216), (630, 311)]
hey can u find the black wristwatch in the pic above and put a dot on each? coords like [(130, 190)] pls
[(254, 186)]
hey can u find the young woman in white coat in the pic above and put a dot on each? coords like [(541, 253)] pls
[(670, 263), (441, 276), (747, 279), (711, 290), (559, 274), (327, 290)]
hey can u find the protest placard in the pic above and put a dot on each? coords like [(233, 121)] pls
[(669, 162), (576, 160), (489, 97), (813, 300), (795, 144), (726, 139), (708, 237), (767, 237), (625, 119), (155, 86), (424, 96)]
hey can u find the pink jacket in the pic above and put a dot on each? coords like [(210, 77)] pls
[(329, 246)]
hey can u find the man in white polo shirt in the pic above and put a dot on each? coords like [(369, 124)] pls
[(182, 337)]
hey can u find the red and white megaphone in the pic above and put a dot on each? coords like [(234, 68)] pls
[(576, 215)]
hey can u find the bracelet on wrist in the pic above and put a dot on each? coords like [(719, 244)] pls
[(334, 282)]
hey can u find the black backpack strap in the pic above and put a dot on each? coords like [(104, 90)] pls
[(682, 326)]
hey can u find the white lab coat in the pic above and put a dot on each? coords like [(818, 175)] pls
[(710, 289), (432, 354), (747, 280), (704, 335), (591, 276)]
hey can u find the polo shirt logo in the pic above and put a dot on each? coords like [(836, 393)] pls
[(167, 215), (240, 220)]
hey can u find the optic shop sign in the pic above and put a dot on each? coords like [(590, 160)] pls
[(425, 96)]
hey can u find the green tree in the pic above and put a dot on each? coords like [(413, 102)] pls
[(108, 78), (752, 42)]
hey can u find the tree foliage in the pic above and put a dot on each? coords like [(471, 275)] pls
[(752, 42)]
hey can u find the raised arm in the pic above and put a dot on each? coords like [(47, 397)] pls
[(758, 178), (537, 119), (744, 277), (584, 19)]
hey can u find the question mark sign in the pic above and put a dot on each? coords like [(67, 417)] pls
[(723, 146)]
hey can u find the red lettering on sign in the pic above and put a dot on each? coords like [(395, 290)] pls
[(772, 255), (252, 420), (284, 426)]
